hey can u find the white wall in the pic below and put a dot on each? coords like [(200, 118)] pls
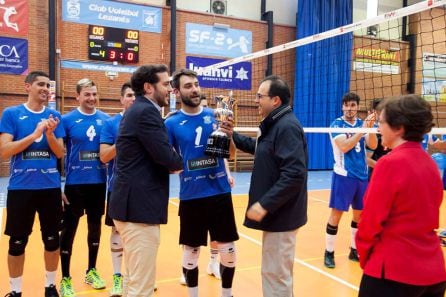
[(284, 10)]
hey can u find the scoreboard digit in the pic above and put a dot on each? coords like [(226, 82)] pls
[(113, 44)]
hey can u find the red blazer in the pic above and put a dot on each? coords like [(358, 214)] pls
[(396, 238)]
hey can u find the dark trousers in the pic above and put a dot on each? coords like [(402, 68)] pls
[(380, 287)]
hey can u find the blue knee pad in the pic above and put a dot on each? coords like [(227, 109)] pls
[(51, 241), (227, 254), (17, 245)]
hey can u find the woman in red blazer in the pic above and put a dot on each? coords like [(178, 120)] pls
[(398, 248)]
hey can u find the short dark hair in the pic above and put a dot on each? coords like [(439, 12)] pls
[(124, 87), (146, 74), (32, 76), (178, 74), (411, 112), (278, 87), (350, 97), (376, 102)]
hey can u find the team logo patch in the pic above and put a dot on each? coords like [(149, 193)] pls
[(207, 119)]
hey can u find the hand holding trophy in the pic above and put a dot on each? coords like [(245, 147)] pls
[(218, 142)]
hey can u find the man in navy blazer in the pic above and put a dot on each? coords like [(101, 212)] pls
[(144, 158)]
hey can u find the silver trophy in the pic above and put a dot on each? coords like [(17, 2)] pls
[(218, 142)]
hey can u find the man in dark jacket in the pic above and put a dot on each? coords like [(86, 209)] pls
[(278, 192), (138, 203)]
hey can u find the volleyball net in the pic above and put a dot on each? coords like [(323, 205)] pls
[(398, 52)]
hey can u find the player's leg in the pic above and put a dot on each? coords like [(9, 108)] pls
[(341, 196), (223, 229), (20, 212), (71, 215), (193, 234), (94, 207), (50, 215), (116, 254), (357, 206), (213, 265)]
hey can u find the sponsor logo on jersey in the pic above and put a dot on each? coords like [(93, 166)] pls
[(88, 155), (78, 121), (23, 117), (36, 155), (202, 163)]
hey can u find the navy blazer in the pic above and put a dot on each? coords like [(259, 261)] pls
[(144, 158)]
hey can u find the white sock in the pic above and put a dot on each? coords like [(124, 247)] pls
[(354, 230), (193, 292), (50, 278), (214, 255), (16, 284), (330, 242), (226, 292)]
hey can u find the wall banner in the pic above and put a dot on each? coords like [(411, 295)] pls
[(234, 77), (13, 56)]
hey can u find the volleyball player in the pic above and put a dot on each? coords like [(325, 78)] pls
[(350, 175), (32, 138), (205, 193), (85, 183), (107, 153)]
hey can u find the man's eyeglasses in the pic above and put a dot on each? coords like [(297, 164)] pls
[(260, 96)]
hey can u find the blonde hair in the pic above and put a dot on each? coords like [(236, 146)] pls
[(84, 83)]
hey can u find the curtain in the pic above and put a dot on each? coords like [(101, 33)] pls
[(322, 73)]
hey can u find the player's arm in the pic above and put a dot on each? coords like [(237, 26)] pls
[(370, 138), (370, 162), (107, 152), (56, 145), (346, 144), (9, 147), (228, 173)]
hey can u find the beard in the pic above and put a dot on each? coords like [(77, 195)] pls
[(188, 100)]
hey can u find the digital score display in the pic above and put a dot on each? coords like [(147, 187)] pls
[(113, 44)]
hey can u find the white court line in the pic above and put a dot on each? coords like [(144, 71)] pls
[(303, 263)]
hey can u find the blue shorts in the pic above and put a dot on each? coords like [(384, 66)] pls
[(346, 191)]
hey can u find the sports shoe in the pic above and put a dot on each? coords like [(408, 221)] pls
[(66, 288), (51, 291), (329, 259), (214, 269), (14, 294), (353, 256), (94, 279), (442, 233), (116, 289), (183, 279)]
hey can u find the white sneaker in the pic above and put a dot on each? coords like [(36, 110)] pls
[(214, 269), (182, 279)]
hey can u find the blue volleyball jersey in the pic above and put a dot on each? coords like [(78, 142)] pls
[(353, 163), (82, 164), (109, 133), (203, 176), (35, 167), (425, 141)]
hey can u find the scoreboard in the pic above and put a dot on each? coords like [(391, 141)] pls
[(113, 44)]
